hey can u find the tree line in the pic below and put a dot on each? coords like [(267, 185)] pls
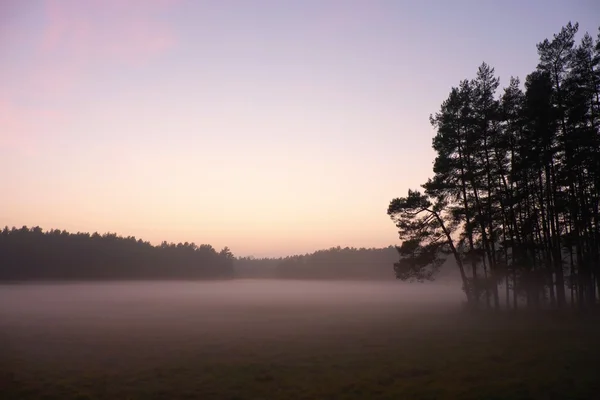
[(32, 254), (514, 197), (336, 263)]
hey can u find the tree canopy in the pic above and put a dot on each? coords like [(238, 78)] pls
[(515, 192), (32, 254), (335, 263)]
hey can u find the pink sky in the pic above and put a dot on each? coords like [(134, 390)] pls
[(269, 127)]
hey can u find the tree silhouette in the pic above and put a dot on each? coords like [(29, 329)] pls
[(58, 255), (426, 235), (518, 175), (32, 254), (335, 263)]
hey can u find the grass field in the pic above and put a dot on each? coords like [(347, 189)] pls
[(365, 348)]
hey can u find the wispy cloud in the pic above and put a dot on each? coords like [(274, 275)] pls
[(116, 30), (76, 37)]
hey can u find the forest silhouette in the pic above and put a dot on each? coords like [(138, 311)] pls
[(35, 254), (32, 254), (514, 197), (335, 263)]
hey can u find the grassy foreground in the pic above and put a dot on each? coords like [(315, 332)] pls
[(356, 355)]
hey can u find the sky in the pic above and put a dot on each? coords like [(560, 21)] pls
[(271, 127)]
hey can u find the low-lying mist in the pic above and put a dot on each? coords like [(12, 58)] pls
[(271, 338), (37, 318), (209, 302)]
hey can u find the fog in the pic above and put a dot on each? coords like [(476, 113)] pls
[(73, 319), (256, 339), (209, 302)]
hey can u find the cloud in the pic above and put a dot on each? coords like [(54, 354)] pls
[(42, 68), (94, 31)]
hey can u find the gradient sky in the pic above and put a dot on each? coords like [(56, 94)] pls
[(271, 127)]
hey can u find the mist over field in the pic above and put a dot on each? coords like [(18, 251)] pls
[(101, 328), (237, 309), (288, 339)]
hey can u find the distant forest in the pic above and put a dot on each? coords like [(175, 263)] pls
[(515, 193), (35, 254), (32, 254), (335, 263)]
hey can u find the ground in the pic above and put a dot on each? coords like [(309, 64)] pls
[(300, 352)]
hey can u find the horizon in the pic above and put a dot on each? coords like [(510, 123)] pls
[(198, 244), (281, 133)]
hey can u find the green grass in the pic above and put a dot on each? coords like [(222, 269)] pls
[(308, 354)]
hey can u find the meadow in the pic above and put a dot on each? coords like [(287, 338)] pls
[(252, 339)]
